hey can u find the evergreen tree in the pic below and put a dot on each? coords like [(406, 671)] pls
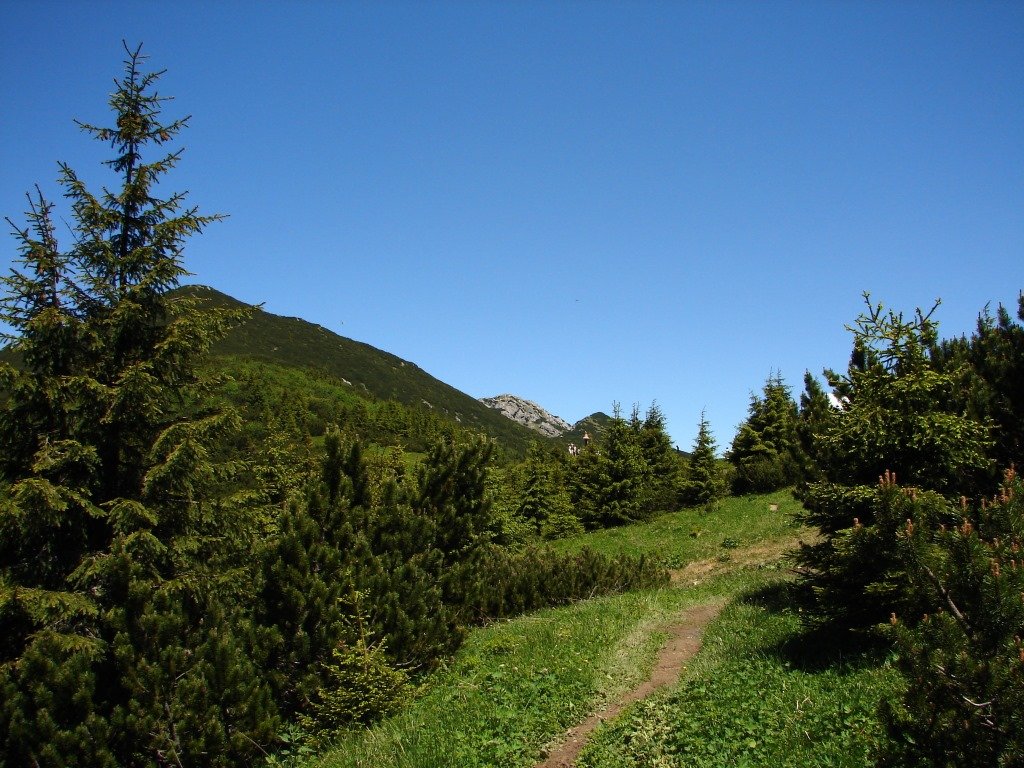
[(901, 414), (392, 551), (452, 484), (362, 685), (815, 412), (766, 450), (663, 464), (300, 603), (610, 477), (535, 502), (704, 483), (118, 534), (543, 501), (991, 366), (898, 421), (395, 564), (963, 659)]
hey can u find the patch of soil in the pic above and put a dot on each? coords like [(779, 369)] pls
[(756, 554), (683, 642)]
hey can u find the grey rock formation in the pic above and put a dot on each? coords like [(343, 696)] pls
[(528, 413)]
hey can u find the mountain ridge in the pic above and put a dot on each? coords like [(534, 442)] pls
[(528, 413), (292, 341)]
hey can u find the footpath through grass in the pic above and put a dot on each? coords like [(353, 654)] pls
[(516, 686), (754, 695), (762, 692)]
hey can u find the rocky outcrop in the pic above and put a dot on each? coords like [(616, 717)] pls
[(528, 414)]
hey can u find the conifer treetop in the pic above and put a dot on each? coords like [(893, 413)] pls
[(129, 238)]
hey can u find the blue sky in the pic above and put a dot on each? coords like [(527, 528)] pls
[(575, 202)]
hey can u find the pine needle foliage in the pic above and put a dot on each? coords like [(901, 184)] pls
[(963, 657), (704, 483), (361, 685), (766, 451), (115, 511), (630, 475), (898, 421), (992, 386)]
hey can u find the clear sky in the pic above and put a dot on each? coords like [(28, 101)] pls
[(575, 202)]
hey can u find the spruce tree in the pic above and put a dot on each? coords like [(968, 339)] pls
[(704, 483), (118, 536), (543, 502), (766, 450), (663, 464), (990, 366), (901, 414), (815, 412), (611, 476)]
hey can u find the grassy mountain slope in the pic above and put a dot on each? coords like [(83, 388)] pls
[(292, 341), (760, 692)]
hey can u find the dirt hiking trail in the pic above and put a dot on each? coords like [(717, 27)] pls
[(683, 642)]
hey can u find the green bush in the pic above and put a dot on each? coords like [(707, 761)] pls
[(897, 423), (361, 688), (761, 475), (497, 583), (964, 659)]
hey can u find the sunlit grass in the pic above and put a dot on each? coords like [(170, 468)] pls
[(762, 693), (515, 686), (678, 538)]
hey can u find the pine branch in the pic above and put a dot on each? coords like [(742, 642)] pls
[(957, 614)]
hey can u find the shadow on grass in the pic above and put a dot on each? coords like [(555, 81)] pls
[(816, 646)]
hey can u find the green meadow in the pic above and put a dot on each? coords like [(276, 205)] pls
[(760, 691)]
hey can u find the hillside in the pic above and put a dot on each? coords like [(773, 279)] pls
[(761, 690), (375, 374), (593, 425), (291, 341)]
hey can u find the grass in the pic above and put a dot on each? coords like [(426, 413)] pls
[(515, 686), (678, 538), (759, 693)]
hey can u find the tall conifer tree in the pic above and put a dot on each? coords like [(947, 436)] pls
[(704, 483), (766, 450), (898, 424), (663, 464), (108, 468)]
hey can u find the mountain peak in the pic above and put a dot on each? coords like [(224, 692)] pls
[(528, 414)]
